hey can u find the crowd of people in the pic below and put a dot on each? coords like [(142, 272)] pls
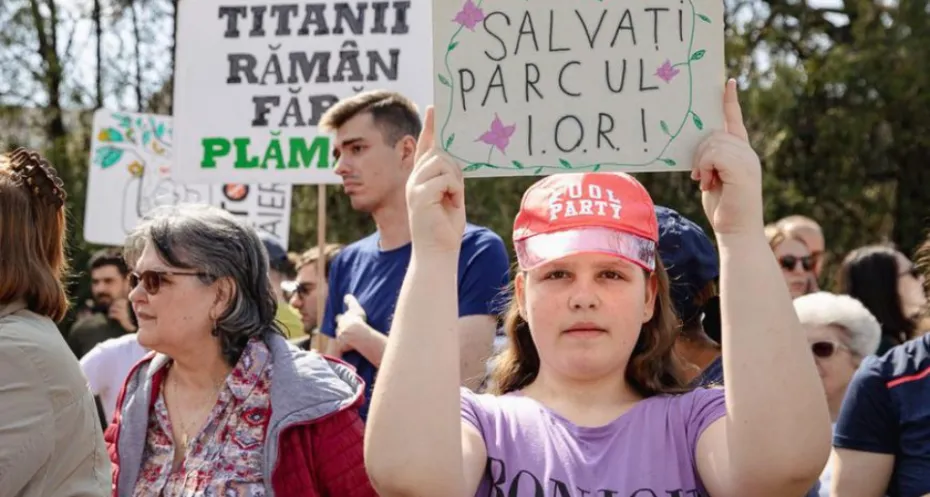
[(625, 354)]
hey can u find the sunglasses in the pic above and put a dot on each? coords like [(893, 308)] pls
[(824, 349), (790, 262), (152, 280)]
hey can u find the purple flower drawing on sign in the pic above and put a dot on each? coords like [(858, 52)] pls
[(666, 71), (470, 15), (499, 135)]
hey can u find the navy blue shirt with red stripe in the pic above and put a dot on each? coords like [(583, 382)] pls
[(887, 411)]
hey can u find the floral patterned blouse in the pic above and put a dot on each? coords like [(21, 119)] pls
[(225, 458)]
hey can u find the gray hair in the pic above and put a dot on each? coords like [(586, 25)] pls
[(208, 239), (826, 309)]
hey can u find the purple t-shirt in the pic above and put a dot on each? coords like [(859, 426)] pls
[(646, 452)]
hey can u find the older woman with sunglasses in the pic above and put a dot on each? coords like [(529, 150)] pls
[(225, 406), (795, 259), (841, 332)]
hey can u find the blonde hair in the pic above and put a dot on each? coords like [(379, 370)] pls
[(653, 369), (32, 233)]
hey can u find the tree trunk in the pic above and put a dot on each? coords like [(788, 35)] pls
[(137, 52), (98, 31)]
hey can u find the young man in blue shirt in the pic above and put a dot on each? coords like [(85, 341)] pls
[(376, 134)]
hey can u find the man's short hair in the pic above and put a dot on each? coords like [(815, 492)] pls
[(394, 114), (109, 257), (311, 256)]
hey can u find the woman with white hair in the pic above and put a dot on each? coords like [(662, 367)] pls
[(841, 332)]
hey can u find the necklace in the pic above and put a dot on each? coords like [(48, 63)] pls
[(185, 425)]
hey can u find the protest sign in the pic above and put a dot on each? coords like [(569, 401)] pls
[(254, 77), (551, 86), (131, 172)]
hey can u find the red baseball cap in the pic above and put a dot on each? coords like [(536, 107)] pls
[(573, 213)]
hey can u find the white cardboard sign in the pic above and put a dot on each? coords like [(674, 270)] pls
[(552, 86), (254, 77), (130, 173)]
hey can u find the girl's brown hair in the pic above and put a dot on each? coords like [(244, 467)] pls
[(32, 232), (653, 369)]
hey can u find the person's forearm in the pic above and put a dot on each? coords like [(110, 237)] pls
[(413, 441), (778, 421), (371, 345)]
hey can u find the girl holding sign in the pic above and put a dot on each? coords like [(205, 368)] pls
[(590, 396)]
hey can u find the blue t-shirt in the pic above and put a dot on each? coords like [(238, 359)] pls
[(374, 277), (887, 411)]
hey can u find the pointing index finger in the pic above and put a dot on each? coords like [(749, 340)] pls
[(732, 112), (426, 140)]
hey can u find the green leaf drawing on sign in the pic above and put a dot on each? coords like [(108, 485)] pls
[(565, 163), (473, 167), (160, 130), (664, 126), (110, 135), (596, 167), (698, 55), (146, 137), (697, 121), (450, 140), (669, 162), (443, 80), (704, 18), (108, 156), (453, 45), (518, 164), (538, 170)]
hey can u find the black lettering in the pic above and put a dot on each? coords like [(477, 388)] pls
[(498, 473), (655, 22), (642, 71), (270, 227), (622, 76), (240, 63), (531, 83), (273, 68), (232, 15), (499, 75), (344, 13), (601, 132), (558, 127), (379, 8), (562, 73), (681, 25), (299, 62), (552, 31), (226, 208), (514, 490), (273, 187), (276, 201), (400, 18), (462, 89), (643, 492), (263, 106), (629, 18), (375, 61), (283, 13), (559, 488), (529, 134), (591, 37), (292, 111), (315, 15), (498, 38), (527, 19), (319, 104), (258, 20), (642, 121), (607, 493)]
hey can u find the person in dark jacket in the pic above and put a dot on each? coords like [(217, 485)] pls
[(225, 405)]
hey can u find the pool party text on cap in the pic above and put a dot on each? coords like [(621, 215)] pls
[(599, 201)]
